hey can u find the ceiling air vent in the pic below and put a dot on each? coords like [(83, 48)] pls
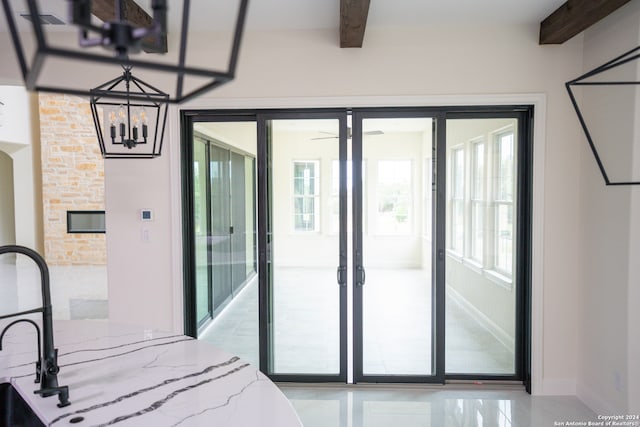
[(45, 19)]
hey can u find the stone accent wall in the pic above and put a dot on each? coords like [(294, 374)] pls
[(72, 179)]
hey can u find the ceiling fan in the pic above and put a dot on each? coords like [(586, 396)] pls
[(333, 135)]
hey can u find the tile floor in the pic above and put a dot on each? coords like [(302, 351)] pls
[(428, 407), (236, 329), (397, 335)]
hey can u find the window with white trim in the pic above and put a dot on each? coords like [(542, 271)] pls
[(477, 204), (393, 192), (504, 172), (457, 200), (306, 195)]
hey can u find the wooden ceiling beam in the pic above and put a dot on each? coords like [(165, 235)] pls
[(353, 21), (573, 17), (105, 11)]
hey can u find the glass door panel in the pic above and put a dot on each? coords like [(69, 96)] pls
[(226, 173), (220, 225), (306, 301), (480, 246), (250, 219), (394, 249), (201, 217), (238, 222)]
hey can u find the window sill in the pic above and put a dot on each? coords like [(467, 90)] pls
[(499, 279), (473, 265), (454, 255)]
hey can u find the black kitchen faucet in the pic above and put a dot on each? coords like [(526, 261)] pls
[(47, 363)]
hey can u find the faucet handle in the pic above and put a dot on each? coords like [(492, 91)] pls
[(63, 397), (52, 365)]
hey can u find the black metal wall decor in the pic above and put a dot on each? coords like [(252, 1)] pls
[(132, 127), (591, 79), (123, 39)]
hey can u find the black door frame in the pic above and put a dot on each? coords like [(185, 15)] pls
[(524, 116), (524, 113), (437, 296), (187, 137), (265, 273)]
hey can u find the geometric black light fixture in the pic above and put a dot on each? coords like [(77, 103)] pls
[(132, 127), (110, 24), (129, 114), (608, 108)]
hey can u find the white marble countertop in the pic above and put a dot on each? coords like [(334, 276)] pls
[(122, 375)]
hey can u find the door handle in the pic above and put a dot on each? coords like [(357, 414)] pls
[(361, 275), (341, 276)]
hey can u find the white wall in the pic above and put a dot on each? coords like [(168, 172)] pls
[(608, 376), (7, 205), (15, 118), (139, 253), (20, 139)]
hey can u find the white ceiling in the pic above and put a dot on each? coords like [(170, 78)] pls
[(324, 14), (310, 14)]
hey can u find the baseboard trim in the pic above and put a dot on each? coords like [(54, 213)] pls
[(594, 401), (557, 387), (482, 319)]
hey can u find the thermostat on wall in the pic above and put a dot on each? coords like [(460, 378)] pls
[(146, 215)]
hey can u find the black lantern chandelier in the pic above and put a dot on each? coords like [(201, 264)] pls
[(124, 33), (138, 122)]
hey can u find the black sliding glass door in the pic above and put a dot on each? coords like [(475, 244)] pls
[(394, 293), (223, 224), (302, 200), (486, 243), (433, 204), (393, 244)]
